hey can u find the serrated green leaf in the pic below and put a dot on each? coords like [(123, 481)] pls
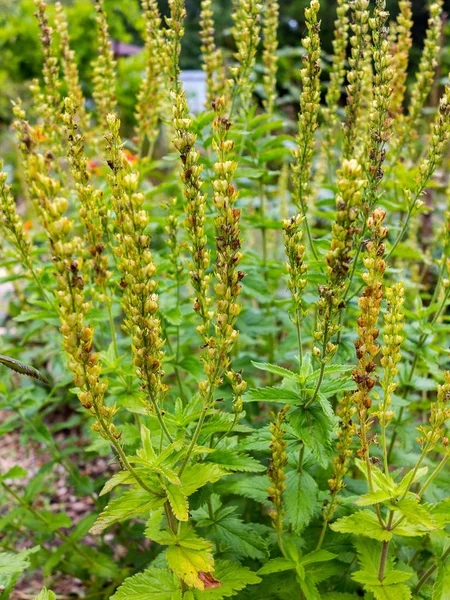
[(397, 591), (309, 589), (120, 478), (271, 394), (329, 370), (13, 563), (12, 566), (380, 481), (373, 498), (314, 428), (369, 553), (300, 498), (408, 480), (276, 370), (133, 503), (228, 530), (154, 532), (152, 584), (232, 460), (415, 512), (276, 565), (363, 523), (441, 588), (178, 501), (317, 556), (196, 476), (441, 513), (254, 488)]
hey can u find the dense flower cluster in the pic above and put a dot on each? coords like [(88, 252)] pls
[(269, 55), (356, 77), (246, 30), (369, 303), (276, 468), (104, 70), (150, 97), (338, 259), (140, 300), (309, 110)]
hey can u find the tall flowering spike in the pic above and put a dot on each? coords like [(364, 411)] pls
[(171, 228), (438, 142), (275, 470), (338, 259), (174, 33), (424, 77), (211, 55), (12, 224), (47, 98), (149, 100), (392, 338), (104, 70), (246, 30), (337, 75), (67, 257), (191, 170), (29, 139), (345, 434), (140, 301), (400, 52), (444, 261), (228, 256), (269, 55), (92, 209), (69, 64), (379, 119), (309, 108), (355, 77), (434, 433), (195, 207), (369, 303), (295, 266)]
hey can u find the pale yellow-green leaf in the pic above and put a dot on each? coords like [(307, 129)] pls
[(364, 523)]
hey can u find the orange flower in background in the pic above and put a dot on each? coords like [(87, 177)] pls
[(28, 225), (132, 158), (94, 165), (39, 134)]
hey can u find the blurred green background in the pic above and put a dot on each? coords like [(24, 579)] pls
[(20, 55)]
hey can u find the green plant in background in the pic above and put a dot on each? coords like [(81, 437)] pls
[(259, 263)]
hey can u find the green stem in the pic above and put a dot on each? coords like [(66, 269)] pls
[(385, 550), (434, 474), (430, 571)]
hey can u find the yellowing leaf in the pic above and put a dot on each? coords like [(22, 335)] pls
[(190, 557)]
